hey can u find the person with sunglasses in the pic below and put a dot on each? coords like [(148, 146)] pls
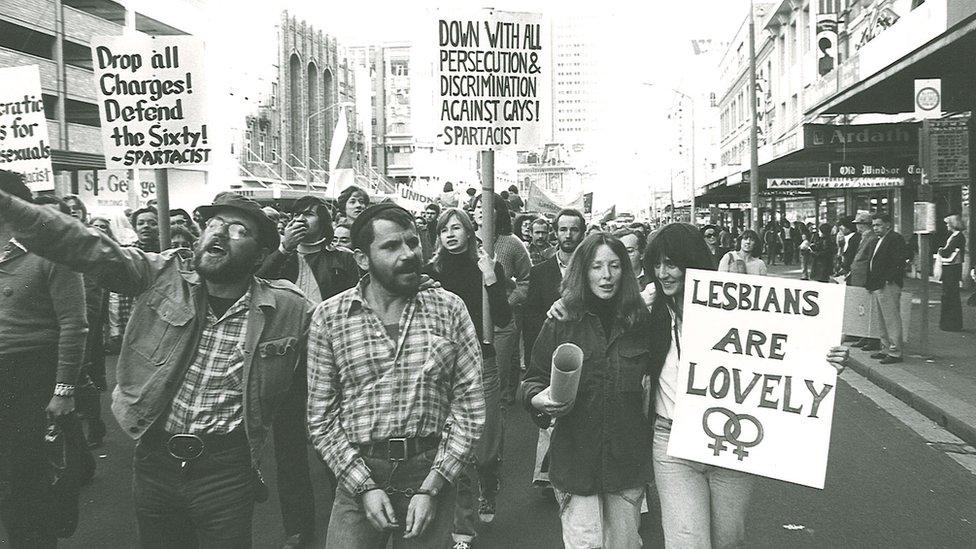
[(710, 232), (206, 359)]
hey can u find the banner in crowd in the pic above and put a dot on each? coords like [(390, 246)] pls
[(151, 100), (411, 199), (490, 83), (25, 146), (755, 392), (341, 173), (538, 200)]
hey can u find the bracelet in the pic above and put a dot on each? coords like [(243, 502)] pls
[(362, 492), (430, 493), (64, 390)]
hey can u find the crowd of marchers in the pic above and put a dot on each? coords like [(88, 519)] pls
[(388, 340)]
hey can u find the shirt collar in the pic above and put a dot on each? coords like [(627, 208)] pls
[(357, 298)]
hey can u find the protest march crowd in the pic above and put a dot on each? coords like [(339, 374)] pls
[(390, 341)]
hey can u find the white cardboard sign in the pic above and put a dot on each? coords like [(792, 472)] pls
[(755, 392), (25, 145), (490, 81), (151, 100)]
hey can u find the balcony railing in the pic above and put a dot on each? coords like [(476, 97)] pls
[(86, 139), (80, 26), (35, 13), (49, 71), (81, 84)]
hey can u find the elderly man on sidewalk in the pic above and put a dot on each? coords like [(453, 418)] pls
[(886, 274)]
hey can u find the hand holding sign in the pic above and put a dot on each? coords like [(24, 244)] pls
[(755, 392)]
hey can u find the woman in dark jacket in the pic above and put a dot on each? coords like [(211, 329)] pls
[(822, 252), (462, 267), (952, 256), (601, 440)]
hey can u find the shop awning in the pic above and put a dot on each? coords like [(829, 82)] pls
[(891, 90)]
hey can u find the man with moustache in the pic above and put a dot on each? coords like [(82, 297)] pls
[(395, 401), (208, 355)]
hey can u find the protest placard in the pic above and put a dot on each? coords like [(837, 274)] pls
[(25, 146), (490, 84), (151, 101), (755, 392)]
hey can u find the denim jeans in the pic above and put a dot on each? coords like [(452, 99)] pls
[(350, 529), (603, 520), (702, 506), (26, 386), (207, 504), (482, 477), (508, 359), (889, 303)]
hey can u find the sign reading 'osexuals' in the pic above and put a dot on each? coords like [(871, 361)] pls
[(489, 71), (755, 392), (151, 101), (25, 146)]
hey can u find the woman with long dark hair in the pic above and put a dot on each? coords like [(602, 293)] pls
[(463, 268), (745, 259), (600, 443), (701, 505)]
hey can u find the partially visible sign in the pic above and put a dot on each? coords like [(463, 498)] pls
[(820, 136), (411, 199), (928, 98), (924, 218), (872, 169), (151, 101), (949, 149), (785, 183), (755, 392), (854, 182), (25, 145), (489, 71)]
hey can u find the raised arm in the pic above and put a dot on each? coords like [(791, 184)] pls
[(66, 241)]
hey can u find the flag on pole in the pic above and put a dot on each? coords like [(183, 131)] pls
[(341, 174)]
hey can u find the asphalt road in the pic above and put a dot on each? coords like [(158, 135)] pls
[(885, 488)]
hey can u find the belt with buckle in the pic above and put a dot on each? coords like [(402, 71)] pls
[(188, 447), (399, 448)]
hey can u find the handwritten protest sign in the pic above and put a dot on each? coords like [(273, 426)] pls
[(151, 101), (755, 392), (25, 146), (489, 71)]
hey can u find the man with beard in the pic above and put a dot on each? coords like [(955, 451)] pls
[(395, 397), (544, 282), (307, 258), (208, 355)]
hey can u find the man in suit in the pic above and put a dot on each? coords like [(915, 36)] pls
[(544, 281), (886, 273), (858, 274)]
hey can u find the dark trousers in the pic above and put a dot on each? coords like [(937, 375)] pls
[(951, 319), (291, 458), (26, 386), (208, 503)]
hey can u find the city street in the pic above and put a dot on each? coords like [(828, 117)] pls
[(885, 488)]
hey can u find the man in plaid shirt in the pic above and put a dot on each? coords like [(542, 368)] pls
[(395, 398)]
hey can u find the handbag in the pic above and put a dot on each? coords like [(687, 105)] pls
[(69, 466)]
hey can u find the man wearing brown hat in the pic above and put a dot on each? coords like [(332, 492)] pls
[(208, 354)]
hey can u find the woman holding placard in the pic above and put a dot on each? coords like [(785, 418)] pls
[(745, 260), (601, 438)]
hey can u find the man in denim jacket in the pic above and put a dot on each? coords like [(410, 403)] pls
[(207, 356)]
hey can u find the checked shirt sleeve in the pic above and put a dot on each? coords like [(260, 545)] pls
[(324, 406), (467, 416)]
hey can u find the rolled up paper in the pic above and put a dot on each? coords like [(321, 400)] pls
[(567, 364)]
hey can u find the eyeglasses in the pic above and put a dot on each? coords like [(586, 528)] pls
[(709, 235), (235, 230)]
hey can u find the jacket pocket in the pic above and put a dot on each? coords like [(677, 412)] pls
[(277, 360), (157, 325), (633, 361)]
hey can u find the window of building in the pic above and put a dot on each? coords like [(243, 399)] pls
[(80, 112), (25, 40)]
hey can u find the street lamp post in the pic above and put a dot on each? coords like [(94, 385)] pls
[(308, 148)]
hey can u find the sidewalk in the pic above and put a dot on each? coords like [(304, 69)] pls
[(942, 384)]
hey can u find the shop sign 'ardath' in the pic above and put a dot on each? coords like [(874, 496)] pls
[(824, 135)]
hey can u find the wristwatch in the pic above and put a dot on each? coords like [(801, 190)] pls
[(64, 390)]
